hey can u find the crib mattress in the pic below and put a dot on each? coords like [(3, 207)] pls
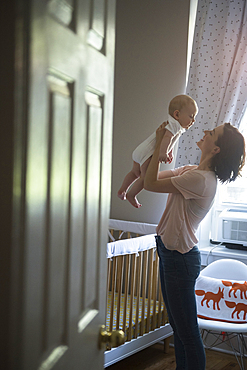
[(126, 329)]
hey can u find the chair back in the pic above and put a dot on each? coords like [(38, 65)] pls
[(226, 269)]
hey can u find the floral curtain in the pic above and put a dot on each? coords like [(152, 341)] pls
[(218, 71)]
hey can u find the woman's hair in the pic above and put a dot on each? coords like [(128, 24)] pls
[(228, 163)]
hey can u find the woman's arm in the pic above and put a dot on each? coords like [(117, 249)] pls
[(152, 181), (165, 174)]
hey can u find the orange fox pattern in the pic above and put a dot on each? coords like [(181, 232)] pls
[(238, 308), (208, 296), (236, 287)]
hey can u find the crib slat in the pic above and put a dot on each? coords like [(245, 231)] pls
[(154, 288), (108, 284), (108, 276), (119, 234), (150, 270), (160, 302), (112, 233), (144, 289), (132, 285), (138, 290), (113, 291), (119, 287), (126, 288)]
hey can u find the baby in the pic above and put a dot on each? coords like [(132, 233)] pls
[(182, 112)]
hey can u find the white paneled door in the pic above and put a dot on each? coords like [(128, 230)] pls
[(62, 181)]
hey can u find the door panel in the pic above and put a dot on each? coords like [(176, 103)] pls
[(94, 119), (57, 242), (65, 188), (96, 32)]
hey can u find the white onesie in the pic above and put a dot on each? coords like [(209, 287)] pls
[(146, 148)]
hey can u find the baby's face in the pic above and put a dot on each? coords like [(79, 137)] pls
[(187, 116)]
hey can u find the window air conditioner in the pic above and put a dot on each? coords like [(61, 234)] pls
[(233, 227)]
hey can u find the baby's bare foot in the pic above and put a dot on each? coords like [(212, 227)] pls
[(133, 201), (121, 195)]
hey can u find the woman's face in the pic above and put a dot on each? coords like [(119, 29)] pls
[(207, 143)]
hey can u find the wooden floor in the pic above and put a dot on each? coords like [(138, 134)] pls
[(153, 358)]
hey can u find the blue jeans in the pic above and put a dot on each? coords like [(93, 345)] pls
[(178, 273)]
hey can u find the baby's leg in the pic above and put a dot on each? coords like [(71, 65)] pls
[(137, 186), (131, 177)]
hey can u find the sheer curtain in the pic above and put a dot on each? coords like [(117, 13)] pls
[(218, 71)]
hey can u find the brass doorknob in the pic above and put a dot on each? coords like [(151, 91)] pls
[(115, 338)]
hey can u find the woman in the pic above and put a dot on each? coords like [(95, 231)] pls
[(192, 190)]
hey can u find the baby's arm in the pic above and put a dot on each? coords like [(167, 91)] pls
[(164, 147), (173, 140), (169, 150)]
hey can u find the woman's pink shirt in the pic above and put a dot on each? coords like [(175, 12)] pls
[(185, 210)]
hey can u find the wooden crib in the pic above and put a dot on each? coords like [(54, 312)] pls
[(134, 299)]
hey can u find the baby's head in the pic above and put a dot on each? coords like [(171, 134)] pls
[(184, 109)]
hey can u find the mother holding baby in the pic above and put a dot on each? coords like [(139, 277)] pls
[(191, 193)]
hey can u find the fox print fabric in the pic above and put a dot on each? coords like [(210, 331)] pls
[(221, 300)]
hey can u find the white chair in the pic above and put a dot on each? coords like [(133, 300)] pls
[(226, 269)]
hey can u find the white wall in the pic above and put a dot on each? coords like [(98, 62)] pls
[(151, 55)]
